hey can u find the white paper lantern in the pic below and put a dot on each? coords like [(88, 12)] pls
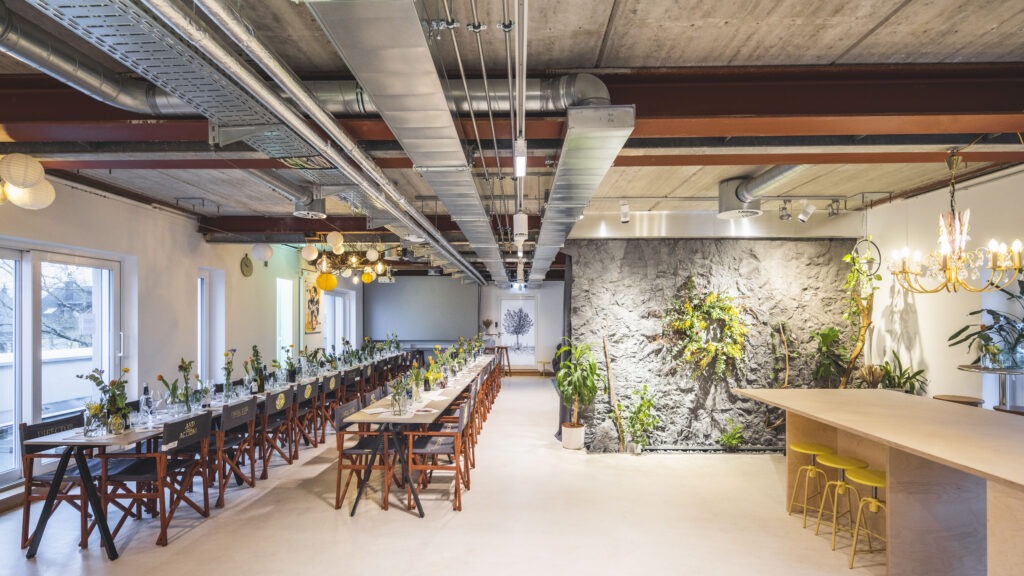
[(339, 249), (262, 252), (309, 252), (21, 170), (335, 238), (372, 255), (35, 198), (347, 272)]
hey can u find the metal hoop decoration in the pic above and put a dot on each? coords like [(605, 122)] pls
[(868, 245)]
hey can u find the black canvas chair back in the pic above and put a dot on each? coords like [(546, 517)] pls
[(367, 373), (306, 393), (330, 386), (463, 414), (350, 378), (277, 402), (377, 394), (238, 383), (185, 433), (344, 411), (33, 431), (238, 414)]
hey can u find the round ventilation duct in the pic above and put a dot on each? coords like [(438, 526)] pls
[(730, 207), (315, 210)]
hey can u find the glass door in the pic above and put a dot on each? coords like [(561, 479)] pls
[(79, 330), (10, 408)]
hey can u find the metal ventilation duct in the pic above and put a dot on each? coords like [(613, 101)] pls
[(43, 51), (741, 197), (384, 45), (145, 45), (594, 137)]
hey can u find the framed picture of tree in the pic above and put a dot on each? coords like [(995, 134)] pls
[(517, 325)]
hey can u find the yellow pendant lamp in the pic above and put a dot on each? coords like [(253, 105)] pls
[(326, 282)]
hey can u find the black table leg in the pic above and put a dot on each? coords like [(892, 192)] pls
[(51, 499), (94, 502), (369, 469), (405, 466)]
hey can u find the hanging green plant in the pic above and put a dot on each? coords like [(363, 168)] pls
[(706, 331)]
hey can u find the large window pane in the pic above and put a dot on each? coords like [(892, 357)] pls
[(8, 316), (285, 322), (75, 333)]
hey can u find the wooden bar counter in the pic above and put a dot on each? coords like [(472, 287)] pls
[(955, 473)]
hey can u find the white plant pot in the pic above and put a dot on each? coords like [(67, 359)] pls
[(572, 437)]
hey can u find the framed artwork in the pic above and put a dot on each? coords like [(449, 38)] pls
[(518, 328), (311, 299)]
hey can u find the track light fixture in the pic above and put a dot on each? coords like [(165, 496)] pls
[(784, 210)]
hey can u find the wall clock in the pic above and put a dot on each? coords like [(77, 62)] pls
[(246, 266)]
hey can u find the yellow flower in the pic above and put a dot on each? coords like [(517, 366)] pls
[(125, 370)]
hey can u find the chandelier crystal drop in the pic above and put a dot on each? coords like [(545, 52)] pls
[(952, 267)]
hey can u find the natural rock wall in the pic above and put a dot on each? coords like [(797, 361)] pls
[(625, 285)]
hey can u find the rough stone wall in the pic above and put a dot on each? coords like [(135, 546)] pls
[(627, 284)]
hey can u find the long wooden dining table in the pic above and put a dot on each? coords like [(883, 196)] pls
[(75, 444), (422, 414)]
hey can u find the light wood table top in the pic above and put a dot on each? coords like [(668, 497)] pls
[(76, 438), (980, 442), (439, 401)]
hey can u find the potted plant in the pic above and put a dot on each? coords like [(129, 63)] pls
[(576, 380), (1000, 342), (640, 420), (112, 408), (733, 438), (897, 377)]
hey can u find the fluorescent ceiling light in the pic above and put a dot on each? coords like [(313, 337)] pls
[(519, 151)]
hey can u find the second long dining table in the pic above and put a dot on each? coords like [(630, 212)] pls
[(426, 412)]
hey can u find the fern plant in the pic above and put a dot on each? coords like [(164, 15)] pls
[(732, 438), (577, 377), (640, 419)]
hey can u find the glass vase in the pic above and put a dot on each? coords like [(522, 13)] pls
[(1018, 355), (95, 425), (397, 404), (115, 424)]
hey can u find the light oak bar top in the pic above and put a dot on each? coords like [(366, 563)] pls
[(981, 442)]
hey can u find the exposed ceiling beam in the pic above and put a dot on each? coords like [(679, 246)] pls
[(290, 224)]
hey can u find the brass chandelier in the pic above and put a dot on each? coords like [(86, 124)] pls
[(951, 267)]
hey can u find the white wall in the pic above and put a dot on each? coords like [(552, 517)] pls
[(549, 296), (918, 326), (161, 253)]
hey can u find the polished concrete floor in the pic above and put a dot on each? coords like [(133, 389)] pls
[(534, 508)]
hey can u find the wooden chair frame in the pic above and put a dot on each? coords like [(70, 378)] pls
[(234, 418), (279, 438)]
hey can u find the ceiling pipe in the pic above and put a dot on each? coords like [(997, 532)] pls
[(43, 51), (286, 188), (38, 48), (753, 188), (196, 33), (241, 33)]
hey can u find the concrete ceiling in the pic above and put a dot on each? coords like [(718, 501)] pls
[(589, 34)]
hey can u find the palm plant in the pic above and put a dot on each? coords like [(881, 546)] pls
[(577, 377), (897, 376)]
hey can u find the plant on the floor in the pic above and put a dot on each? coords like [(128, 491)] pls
[(999, 343), (640, 420), (830, 355), (861, 285), (577, 379), (733, 437), (706, 331), (896, 376), (870, 375)]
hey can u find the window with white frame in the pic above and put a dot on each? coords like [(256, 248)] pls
[(338, 309)]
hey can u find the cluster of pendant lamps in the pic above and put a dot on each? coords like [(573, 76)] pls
[(24, 182), (327, 281)]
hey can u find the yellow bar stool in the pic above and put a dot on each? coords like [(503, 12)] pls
[(836, 488), (809, 472), (875, 479)]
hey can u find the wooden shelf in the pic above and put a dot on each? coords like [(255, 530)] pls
[(977, 368)]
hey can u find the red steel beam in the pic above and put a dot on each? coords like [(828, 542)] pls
[(177, 164)]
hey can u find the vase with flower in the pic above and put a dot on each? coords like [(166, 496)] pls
[(112, 409)]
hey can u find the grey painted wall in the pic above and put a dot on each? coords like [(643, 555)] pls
[(627, 284), (421, 308)]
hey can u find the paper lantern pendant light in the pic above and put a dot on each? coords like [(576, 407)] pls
[(326, 282), (347, 272), (367, 277), (34, 198), (21, 170), (262, 252), (339, 249), (309, 252), (335, 238), (372, 255)]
